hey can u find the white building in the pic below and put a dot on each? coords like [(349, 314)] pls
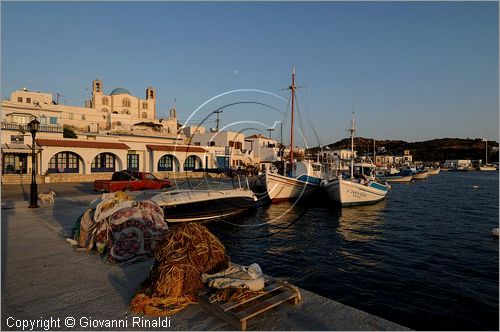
[(264, 148), (115, 131)]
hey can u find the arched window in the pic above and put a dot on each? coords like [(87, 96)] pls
[(192, 162), (145, 105), (166, 163), (64, 162), (105, 101), (144, 115), (125, 112), (103, 162), (115, 112), (125, 102), (105, 110)]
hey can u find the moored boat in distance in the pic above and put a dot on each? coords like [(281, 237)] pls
[(434, 171), (421, 175), (488, 168)]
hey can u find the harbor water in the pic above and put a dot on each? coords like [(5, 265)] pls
[(424, 258)]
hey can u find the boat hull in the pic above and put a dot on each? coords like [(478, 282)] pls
[(349, 193), (281, 188), (204, 205), (408, 178), (487, 168), (421, 175), (434, 171)]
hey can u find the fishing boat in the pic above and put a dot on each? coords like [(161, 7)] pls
[(398, 177), (357, 189), (304, 183), (434, 171), (421, 175), (186, 205), (303, 178), (486, 166)]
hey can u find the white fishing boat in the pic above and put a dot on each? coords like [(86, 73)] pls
[(487, 168), (304, 184), (396, 178), (349, 192), (434, 171), (303, 179), (359, 189), (421, 175)]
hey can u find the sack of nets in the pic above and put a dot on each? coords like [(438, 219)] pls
[(185, 253)]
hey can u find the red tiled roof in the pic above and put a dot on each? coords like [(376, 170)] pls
[(81, 144), (176, 148)]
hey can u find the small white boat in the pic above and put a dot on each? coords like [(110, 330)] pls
[(434, 171), (487, 168), (421, 175), (398, 178), (185, 205)]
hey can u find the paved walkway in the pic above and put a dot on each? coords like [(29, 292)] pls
[(42, 276)]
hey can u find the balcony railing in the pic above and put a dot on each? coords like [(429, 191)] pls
[(43, 128)]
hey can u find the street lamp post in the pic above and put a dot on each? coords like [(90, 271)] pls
[(33, 127)]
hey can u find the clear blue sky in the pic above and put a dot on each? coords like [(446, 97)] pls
[(414, 71)]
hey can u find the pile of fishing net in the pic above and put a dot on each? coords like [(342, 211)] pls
[(120, 228), (185, 253)]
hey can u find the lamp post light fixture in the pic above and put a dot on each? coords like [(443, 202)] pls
[(33, 126)]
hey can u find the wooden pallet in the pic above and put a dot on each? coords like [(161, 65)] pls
[(238, 314)]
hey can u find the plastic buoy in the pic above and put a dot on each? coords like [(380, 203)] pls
[(495, 231)]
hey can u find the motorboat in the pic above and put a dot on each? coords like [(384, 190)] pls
[(185, 205)]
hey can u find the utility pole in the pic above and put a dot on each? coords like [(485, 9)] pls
[(270, 130), (218, 120)]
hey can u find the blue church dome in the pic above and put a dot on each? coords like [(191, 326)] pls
[(120, 91)]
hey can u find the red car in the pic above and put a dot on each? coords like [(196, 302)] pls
[(131, 181)]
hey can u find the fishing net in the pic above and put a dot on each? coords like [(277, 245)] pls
[(181, 257)]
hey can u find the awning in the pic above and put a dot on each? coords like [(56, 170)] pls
[(176, 148), (81, 144), (19, 148)]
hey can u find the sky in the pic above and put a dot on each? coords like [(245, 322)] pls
[(410, 70)]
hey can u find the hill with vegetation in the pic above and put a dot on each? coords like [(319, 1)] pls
[(439, 149)]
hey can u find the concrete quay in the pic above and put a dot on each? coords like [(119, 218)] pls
[(43, 278)]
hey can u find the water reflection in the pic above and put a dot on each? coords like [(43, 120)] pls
[(361, 223)]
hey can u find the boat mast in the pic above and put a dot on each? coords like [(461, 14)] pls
[(292, 87), (486, 156), (352, 130)]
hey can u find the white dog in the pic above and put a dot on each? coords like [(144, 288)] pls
[(49, 197)]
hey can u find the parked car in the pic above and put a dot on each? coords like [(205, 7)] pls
[(131, 181)]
